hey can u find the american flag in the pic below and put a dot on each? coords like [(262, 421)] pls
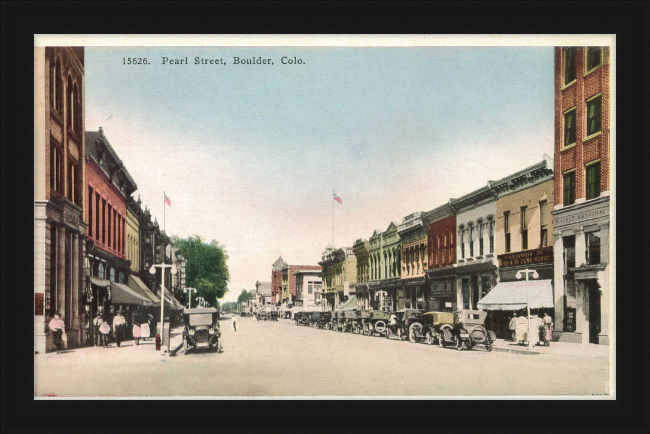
[(338, 199)]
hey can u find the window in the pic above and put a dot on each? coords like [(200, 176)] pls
[(465, 292), (104, 221), (73, 183), (594, 112), (506, 224), (569, 252), (570, 127), (471, 241), (593, 180), (55, 81), (310, 288), (543, 232), (480, 238), (462, 242), (56, 169), (70, 105), (90, 212), (97, 201), (109, 224), (594, 57), (569, 65), (524, 229), (112, 275), (491, 236), (486, 285), (569, 190), (593, 248)]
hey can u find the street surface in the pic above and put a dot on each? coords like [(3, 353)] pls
[(270, 358)]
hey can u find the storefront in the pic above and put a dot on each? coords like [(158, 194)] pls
[(582, 296), (443, 295), (415, 294)]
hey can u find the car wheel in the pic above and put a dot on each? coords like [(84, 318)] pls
[(489, 345), (429, 339), (412, 329), (441, 341)]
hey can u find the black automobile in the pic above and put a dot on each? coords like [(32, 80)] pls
[(398, 324), (201, 329)]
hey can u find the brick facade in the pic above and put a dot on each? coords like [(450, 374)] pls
[(438, 232), (576, 94)]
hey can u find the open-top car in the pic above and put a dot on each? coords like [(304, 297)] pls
[(398, 323), (374, 322), (201, 329)]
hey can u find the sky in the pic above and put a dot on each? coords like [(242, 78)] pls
[(250, 155)]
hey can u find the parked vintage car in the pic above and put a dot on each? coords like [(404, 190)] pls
[(201, 329), (399, 324), (468, 331), (374, 322), (320, 320), (350, 316), (429, 328), (301, 318), (273, 315)]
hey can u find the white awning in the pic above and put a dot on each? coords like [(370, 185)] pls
[(512, 296)]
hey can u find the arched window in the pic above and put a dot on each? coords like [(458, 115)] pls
[(76, 109), (69, 104), (55, 81)]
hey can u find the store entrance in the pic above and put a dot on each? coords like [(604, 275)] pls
[(594, 311)]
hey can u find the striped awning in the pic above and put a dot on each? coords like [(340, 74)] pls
[(137, 284), (122, 294)]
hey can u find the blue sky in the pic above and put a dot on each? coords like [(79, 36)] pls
[(250, 154)]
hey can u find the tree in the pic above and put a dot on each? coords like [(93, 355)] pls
[(206, 268), (229, 306), (244, 296)]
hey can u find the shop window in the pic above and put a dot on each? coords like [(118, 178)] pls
[(594, 114), (524, 229), (486, 285), (506, 223), (569, 64), (543, 230), (594, 57), (593, 248), (593, 180), (465, 292), (569, 188), (570, 127)]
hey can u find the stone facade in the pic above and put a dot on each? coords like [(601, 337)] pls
[(361, 249), (59, 189)]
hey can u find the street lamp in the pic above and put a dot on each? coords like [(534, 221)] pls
[(535, 276), (152, 270), (186, 290)]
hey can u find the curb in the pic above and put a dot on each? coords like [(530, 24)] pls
[(515, 351)]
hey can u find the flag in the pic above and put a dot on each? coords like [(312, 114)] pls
[(338, 199), (167, 200)]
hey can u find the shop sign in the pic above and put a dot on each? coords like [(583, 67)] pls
[(527, 257), (580, 216)]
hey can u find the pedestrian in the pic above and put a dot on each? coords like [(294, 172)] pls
[(104, 331), (548, 324), (136, 330), (513, 327), (234, 324), (144, 327), (97, 323), (119, 323), (58, 332)]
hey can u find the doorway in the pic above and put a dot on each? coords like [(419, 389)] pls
[(594, 311)]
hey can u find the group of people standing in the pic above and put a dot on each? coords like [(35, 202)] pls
[(519, 327), (139, 322)]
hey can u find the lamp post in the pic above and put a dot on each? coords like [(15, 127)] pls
[(186, 290), (535, 276), (152, 270)]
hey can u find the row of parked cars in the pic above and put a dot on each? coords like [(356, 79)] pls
[(463, 329)]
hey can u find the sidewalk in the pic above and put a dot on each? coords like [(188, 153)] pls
[(556, 348)]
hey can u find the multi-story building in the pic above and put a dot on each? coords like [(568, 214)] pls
[(276, 280), (108, 185), (339, 268), (385, 253), (59, 195), (365, 297), (132, 234), (309, 284), (523, 225), (581, 199), (414, 261), (441, 248), (288, 294), (476, 265), (263, 291)]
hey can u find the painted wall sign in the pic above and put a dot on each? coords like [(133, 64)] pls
[(526, 257), (581, 216)]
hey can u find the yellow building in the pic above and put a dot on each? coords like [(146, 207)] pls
[(339, 274)]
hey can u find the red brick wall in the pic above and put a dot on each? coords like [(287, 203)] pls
[(446, 226), (99, 182), (575, 95)]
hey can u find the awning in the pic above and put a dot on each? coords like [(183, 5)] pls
[(512, 295), (137, 284), (122, 294), (171, 301), (100, 282), (349, 304)]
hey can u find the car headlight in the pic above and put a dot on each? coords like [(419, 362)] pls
[(211, 330), (192, 331)]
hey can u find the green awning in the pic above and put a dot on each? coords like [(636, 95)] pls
[(350, 303)]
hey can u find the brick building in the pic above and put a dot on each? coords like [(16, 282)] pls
[(288, 294), (581, 194), (276, 279), (441, 249), (59, 226)]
